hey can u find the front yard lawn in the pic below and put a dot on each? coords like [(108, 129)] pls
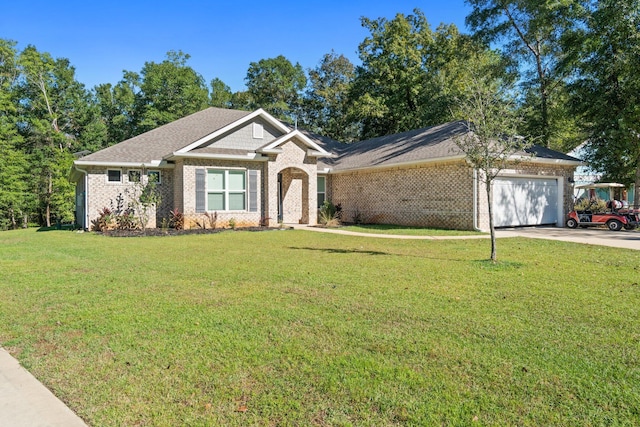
[(406, 230), (300, 328)]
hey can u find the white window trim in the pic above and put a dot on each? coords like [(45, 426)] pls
[(113, 182), (155, 171), (226, 191)]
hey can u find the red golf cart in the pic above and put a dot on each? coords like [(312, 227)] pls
[(616, 216)]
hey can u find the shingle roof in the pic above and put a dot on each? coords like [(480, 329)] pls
[(432, 143), (166, 139), (406, 147), (223, 151), (547, 153)]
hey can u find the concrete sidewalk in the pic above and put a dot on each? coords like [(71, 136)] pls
[(25, 402), (625, 239)]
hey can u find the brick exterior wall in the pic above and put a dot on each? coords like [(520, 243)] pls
[(434, 195), (178, 186), (118, 195)]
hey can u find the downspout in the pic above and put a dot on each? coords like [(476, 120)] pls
[(475, 200), (86, 197)]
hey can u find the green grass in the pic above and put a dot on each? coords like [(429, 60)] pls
[(405, 230), (299, 328)]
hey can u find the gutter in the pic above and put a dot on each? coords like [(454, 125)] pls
[(475, 200), (546, 161), (149, 165)]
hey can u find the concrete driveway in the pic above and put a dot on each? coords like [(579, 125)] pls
[(626, 239)]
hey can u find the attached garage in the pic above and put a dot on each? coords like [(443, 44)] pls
[(520, 201)]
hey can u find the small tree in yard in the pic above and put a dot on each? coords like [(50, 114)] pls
[(144, 196), (491, 139)]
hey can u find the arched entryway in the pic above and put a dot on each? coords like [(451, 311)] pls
[(293, 196)]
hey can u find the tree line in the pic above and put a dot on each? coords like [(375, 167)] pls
[(568, 65)]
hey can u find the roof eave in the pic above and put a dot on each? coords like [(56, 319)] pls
[(257, 157), (270, 150), (316, 153), (544, 160), (313, 147), (151, 164)]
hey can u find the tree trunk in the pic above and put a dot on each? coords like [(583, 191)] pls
[(544, 110), (544, 97), (636, 190), (14, 225), (492, 230), (536, 50), (48, 201)]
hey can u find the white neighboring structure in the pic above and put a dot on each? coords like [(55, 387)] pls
[(586, 175)]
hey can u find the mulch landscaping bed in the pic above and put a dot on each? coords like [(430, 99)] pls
[(174, 232)]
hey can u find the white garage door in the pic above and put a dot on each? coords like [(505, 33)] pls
[(524, 201)]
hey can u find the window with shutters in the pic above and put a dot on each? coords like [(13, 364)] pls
[(226, 190)]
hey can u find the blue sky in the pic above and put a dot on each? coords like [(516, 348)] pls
[(101, 39)]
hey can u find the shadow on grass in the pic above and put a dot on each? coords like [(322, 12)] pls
[(341, 251), (485, 264), (64, 227)]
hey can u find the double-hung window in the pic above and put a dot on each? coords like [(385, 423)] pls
[(321, 190), (226, 190)]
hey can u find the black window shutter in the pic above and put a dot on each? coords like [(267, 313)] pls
[(201, 192), (253, 191)]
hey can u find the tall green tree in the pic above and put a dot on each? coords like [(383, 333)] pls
[(14, 195), (390, 82), (607, 92), (410, 75), (119, 107), (160, 93), (170, 90), (326, 100), (221, 94), (531, 31), (53, 124), (242, 100), (276, 85)]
